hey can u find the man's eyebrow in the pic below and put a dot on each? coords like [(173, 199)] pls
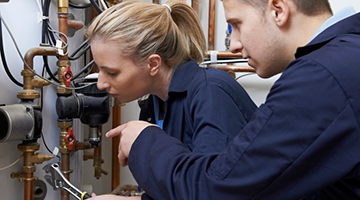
[(230, 20)]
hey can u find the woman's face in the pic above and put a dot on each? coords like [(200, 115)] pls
[(119, 75)]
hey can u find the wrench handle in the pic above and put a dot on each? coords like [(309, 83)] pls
[(85, 195)]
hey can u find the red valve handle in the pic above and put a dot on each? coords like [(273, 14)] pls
[(70, 139), (66, 77)]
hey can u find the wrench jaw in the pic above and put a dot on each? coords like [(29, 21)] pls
[(58, 181), (50, 181)]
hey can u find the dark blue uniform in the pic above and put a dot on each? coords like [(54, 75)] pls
[(205, 108), (303, 142)]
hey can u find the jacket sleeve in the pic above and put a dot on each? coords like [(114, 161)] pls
[(303, 139), (217, 117)]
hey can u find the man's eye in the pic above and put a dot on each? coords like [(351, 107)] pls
[(111, 74)]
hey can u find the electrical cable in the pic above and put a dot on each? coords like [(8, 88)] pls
[(80, 47), (46, 65), (104, 4), (78, 6), (252, 73), (81, 53), (43, 139), (17, 160), (90, 64), (22, 58), (45, 17), (97, 8), (3, 59)]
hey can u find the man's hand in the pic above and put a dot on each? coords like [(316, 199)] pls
[(128, 133)]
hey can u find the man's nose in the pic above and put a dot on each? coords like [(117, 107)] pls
[(235, 46)]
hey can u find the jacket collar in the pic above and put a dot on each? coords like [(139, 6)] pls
[(350, 25), (183, 76)]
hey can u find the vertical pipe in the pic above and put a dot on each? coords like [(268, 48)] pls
[(65, 168), (97, 157), (195, 5), (63, 28), (156, 1), (211, 35), (28, 185), (63, 16), (115, 167)]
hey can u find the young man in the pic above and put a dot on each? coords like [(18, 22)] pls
[(302, 143)]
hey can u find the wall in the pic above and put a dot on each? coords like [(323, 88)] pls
[(21, 17)]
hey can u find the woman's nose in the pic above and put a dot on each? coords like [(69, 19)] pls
[(101, 82)]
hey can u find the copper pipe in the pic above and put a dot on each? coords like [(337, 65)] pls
[(115, 167), (225, 55), (28, 168), (90, 155), (28, 186), (65, 168), (211, 34), (36, 51), (157, 2), (195, 5), (97, 160), (28, 91), (63, 17), (82, 145), (232, 68), (75, 24), (65, 154), (63, 28)]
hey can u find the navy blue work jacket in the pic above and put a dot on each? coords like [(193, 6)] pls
[(205, 108), (303, 142)]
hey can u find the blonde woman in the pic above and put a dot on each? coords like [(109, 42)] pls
[(143, 48)]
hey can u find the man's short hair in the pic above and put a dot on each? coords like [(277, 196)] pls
[(307, 7)]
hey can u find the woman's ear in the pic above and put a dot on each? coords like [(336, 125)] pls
[(280, 11), (154, 64)]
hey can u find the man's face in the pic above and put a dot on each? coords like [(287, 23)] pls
[(256, 36)]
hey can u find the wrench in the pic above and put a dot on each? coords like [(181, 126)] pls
[(58, 181)]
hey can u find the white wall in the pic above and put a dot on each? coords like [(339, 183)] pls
[(21, 17)]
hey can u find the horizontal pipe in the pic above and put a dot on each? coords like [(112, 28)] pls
[(36, 51), (225, 55)]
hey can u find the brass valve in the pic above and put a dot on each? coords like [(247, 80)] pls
[(39, 83)]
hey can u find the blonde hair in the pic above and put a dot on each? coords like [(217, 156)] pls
[(143, 28)]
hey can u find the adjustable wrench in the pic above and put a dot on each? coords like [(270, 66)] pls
[(58, 181)]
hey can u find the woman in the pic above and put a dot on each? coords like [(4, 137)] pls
[(143, 48)]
